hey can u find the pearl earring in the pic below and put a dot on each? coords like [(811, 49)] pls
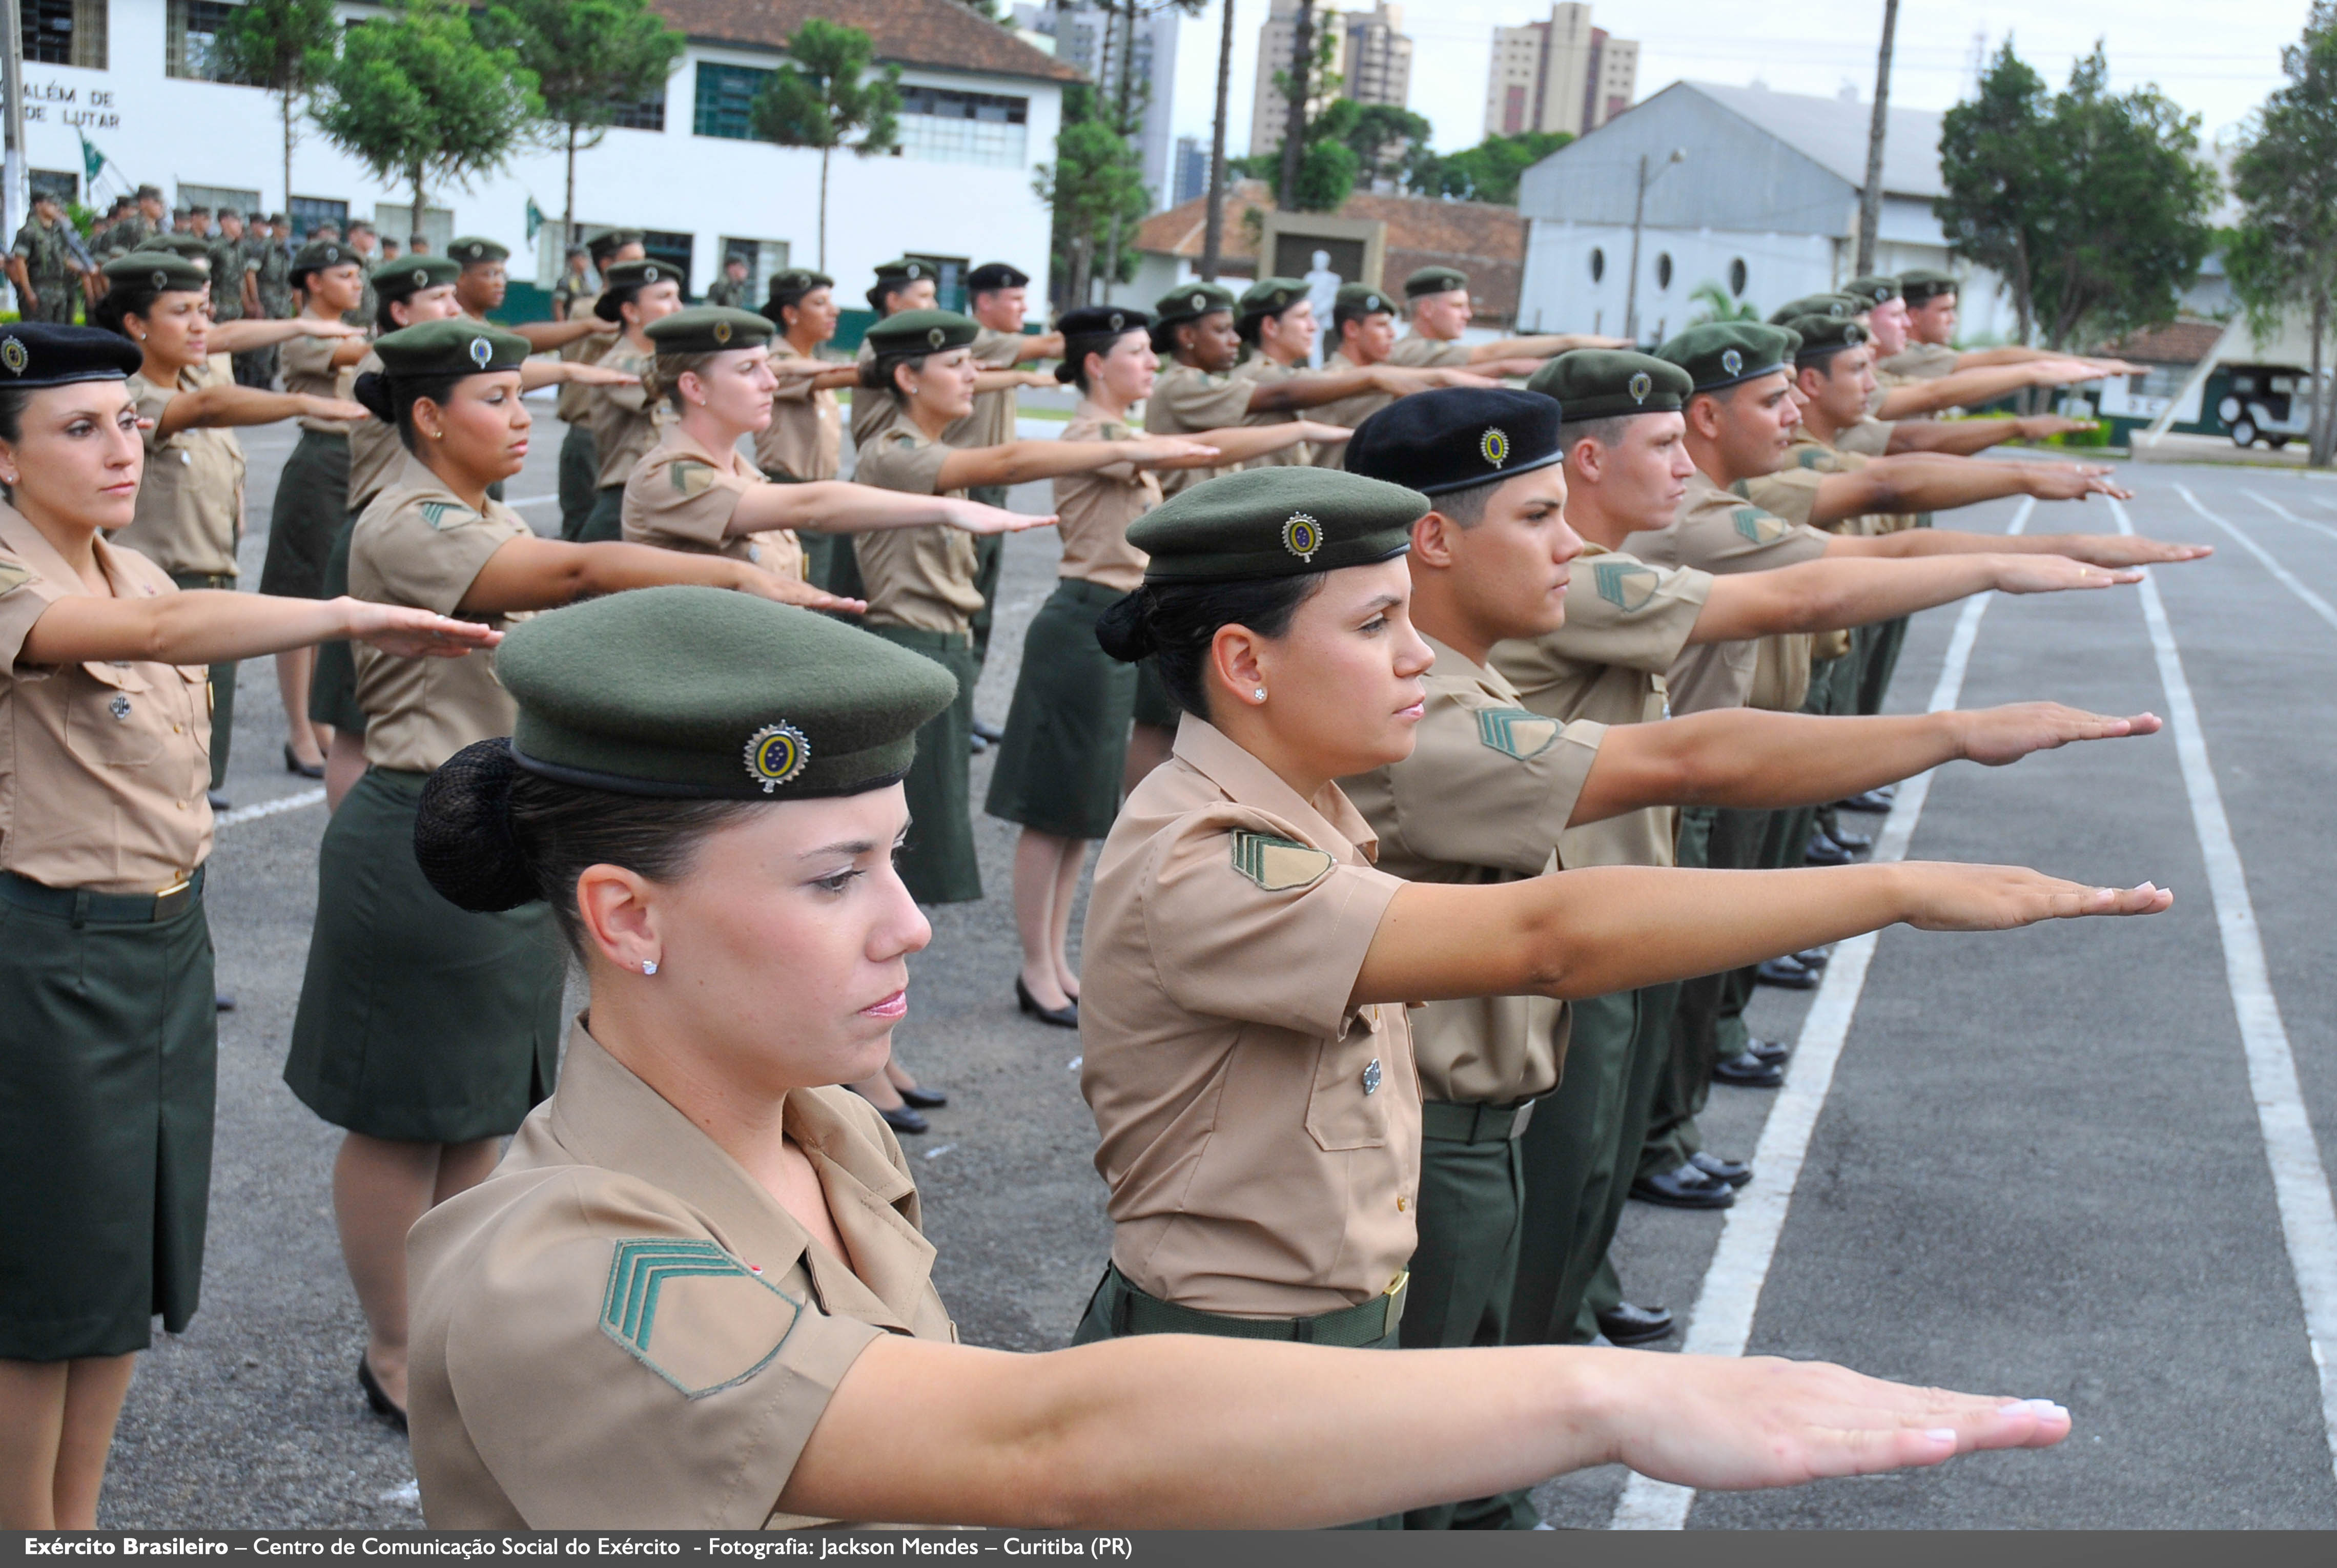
[(1260, 693), (649, 966)]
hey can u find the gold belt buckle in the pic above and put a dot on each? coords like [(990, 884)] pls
[(1394, 1296), (167, 902)]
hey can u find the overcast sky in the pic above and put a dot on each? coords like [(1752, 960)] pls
[(2216, 59)]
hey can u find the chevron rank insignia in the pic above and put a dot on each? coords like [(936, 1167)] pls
[(1278, 865), (1514, 732), (12, 576), (693, 479), (1757, 526), (442, 515), (1624, 584), (1812, 457), (693, 1314)]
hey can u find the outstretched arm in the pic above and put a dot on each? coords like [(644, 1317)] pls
[(839, 506), (1838, 592), (1541, 346), (207, 627), (2114, 550), (230, 406), (545, 573), (1965, 437), (544, 336), (537, 372), (258, 331), (1240, 443), (1019, 461), (1315, 389), (1963, 388), (1930, 481)]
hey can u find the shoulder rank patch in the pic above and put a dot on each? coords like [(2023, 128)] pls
[(443, 515), (692, 478), (1276, 865), (1515, 732), (1815, 456), (12, 576), (1741, 490), (1624, 584), (1757, 526), (693, 1314)]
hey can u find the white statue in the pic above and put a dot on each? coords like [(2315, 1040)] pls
[(1323, 293)]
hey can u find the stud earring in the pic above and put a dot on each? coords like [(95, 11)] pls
[(649, 966), (1260, 693)]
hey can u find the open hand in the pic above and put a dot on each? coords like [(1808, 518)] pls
[(1996, 736), (404, 631), (582, 374), (2120, 549), (314, 326), (337, 408), (1964, 897), (975, 518), (2044, 426), (1167, 449), (2055, 573), (2074, 481), (792, 590)]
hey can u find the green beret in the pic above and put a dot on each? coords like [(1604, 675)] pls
[(627, 278), (1922, 285), (903, 271), (160, 269), (1357, 300), (178, 242), (1190, 302), (1276, 522), (439, 348), (1720, 354), (1823, 336), (915, 332), (708, 329), (318, 254), (1612, 383), (1434, 281), (1873, 290), (698, 692), (40, 354), (471, 249), (1271, 297), (410, 275), (789, 286), (1834, 303)]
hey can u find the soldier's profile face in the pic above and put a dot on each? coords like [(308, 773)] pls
[(1369, 339), (1513, 565), (1442, 316)]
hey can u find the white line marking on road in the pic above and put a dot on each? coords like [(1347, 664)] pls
[(2269, 505), (2308, 1218), (2312, 601), (2315, 525), (292, 803), (1723, 1322)]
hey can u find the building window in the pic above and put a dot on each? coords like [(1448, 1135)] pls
[(1663, 270), (942, 125), (64, 33), (674, 249), (726, 100), (1737, 277), (1598, 263), (649, 114), (190, 39), (765, 259), (218, 198), (307, 212), (949, 280)]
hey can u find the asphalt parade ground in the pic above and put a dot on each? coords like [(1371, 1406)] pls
[(2085, 1162)]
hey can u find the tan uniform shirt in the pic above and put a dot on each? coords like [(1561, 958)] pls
[(418, 544), (1722, 533), (1870, 437), (804, 439), (1350, 412), (103, 765), (190, 510), (683, 497), (376, 454), (992, 422), (308, 368), (575, 403), (1921, 361), (1483, 797), (621, 1328), (1094, 509), (625, 422), (1259, 1132), (920, 577), (1186, 400), (1414, 351), (1257, 370), (872, 407)]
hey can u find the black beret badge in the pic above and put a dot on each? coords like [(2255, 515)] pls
[(14, 356), (1494, 446), (1641, 384), (776, 753), (1301, 536)]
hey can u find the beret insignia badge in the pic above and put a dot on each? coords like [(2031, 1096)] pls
[(1118, 321), (776, 753), (913, 272), (1642, 384), (1732, 363), (482, 351), (421, 276), (12, 356), (651, 274), (1372, 302), (721, 332), (332, 253), (1301, 536), (1494, 445), (160, 277), (935, 337), (1197, 300)]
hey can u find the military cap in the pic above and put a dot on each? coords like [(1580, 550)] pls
[(1457, 437), (1831, 304), (992, 274), (442, 348), (1102, 321), (280, 222), (1357, 300), (159, 269), (1434, 281), (1922, 285), (319, 254), (410, 275), (1612, 384), (1720, 354), (789, 287), (915, 332), (471, 249), (1823, 336), (1270, 297), (1873, 290), (620, 279), (178, 242), (1275, 523), (40, 354), (709, 329), (701, 692), (147, 193), (903, 270), (1190, 302)]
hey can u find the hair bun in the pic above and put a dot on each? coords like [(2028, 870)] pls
[(372, 389), (1124, 629), (463, 836), (1067, 370)]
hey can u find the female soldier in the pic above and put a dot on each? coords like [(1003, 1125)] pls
[(625, 419), (190, 504), (311, 502), (804, 441), (695, 1294), (107, 1031), (423, 1033), (1061, 767)]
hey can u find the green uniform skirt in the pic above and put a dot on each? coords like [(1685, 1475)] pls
[(938, 861), (1154, 706), (580, 465), (419, 1022), (333, 684), (312, 504), (1059, 768), (109, 1047), (606, 523)]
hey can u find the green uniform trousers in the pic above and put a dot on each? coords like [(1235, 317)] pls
[(989, 556), (938, 861), (222, 679), (580, 466), (606, 523)]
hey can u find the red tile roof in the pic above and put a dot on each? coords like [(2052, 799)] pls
[(937, 35), (2176, 342)]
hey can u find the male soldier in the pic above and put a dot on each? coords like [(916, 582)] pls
[(580, 461), (198, 222), (267, 249), (576, 282), (1363, 320), (482, 285), (730, 289), (325, 233), (367, 243), (1977, 384), (1438, 297), (232, 264), (389, 249), (135, 228), (42, 263), (996, 297)]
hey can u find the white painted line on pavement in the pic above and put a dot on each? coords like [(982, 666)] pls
[(277, 807), (2312, 601), (2315, 525), (1723, 1321), (2308, 1218)]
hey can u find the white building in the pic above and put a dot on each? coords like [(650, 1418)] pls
[(981, 111), (1765, 205)]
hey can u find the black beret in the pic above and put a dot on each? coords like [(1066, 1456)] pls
[(471, 249), (1275, 523), (1271, 297), (1873, 290), (39, 353), (992, 274), (1190, 302), (410, 275), (1434, 281), (1612, 384), (1357, 300), (160, 269), (439, 348), (698, 692), (319, 254), (915, 332), (1456, 437), (708, 329), (1922, 285), (1720, 354), (1834, 303), (1823, 336), (1102, 321), (628, 278)]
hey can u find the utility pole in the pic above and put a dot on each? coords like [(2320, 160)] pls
[(1213, 232), (15, 202), (1638, 213), (1870, 201), (1294, 125)]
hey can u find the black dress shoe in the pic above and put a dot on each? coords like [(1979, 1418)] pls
[(1812, 958), (902, 1119), (1767, 1050), (1686, 1188), (1822, 850), (377, 1399), (294, 765), (1787, 973), (1854, 843), (1066, 1016), (976, 745), (1628, 1325), (1748, 1071), (1735, 1172), (924, 1099), (1873, 800), (219, 802), (223, 1001), (988, 731)]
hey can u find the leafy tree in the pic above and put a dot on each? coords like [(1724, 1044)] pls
[(1715, 303), (1386, 139), (591, 59), (1095, 188), (285, 46), (822, 98), (1993, 159), (1488, 171), (2285, 253), (415, 96)]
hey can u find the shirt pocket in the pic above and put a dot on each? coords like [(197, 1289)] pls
[(1347, 1107), (199, 695), (116, 718)]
